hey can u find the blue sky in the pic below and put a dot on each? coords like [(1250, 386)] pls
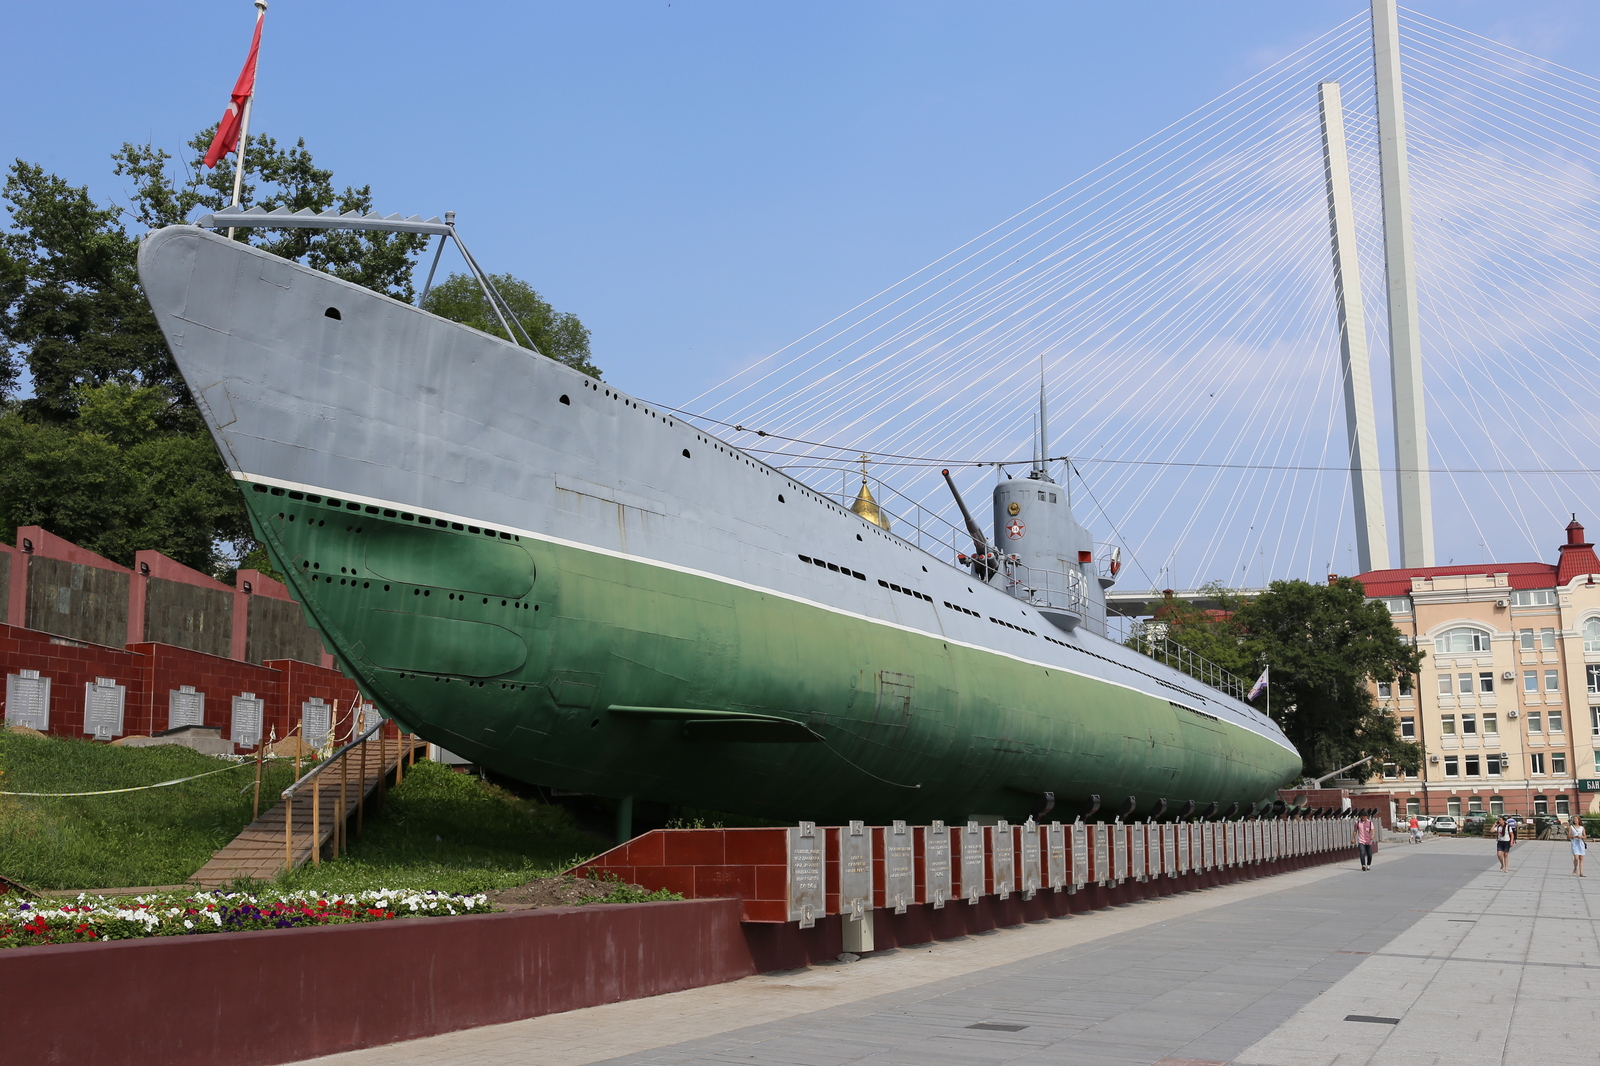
[(701, 182)]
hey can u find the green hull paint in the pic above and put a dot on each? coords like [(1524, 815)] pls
[(510, 651)]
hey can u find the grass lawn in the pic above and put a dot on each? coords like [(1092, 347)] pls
[(455, 833), (439, 830), (154, 837)]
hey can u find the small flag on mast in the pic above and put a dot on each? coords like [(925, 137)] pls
[(1260, 686), (227, 138)]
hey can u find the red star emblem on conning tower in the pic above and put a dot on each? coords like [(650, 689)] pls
[(1014, 529)]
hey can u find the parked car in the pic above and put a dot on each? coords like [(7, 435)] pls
[(1474, 825), (1446, 824)]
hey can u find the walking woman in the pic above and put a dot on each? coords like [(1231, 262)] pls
[(1362, 837), (1580, 843), (1505, 834)]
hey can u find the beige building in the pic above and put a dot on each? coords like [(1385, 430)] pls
[(1507, 706)]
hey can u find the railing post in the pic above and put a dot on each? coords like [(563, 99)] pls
[(316, 820), (288, 832)]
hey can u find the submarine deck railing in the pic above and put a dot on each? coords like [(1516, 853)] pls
[(1166, 650)]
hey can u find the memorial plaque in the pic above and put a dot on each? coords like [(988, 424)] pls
[(103, 702), (1233, 843), (1102, 853), (899, 868), (185, 706), (1056, 862), (972, 864), (806, 900), (1182, 831), (247, 713), (1030, 859), (1169, 849), (28, 700), (1220, 831), (1119, 852), (1140, 832), (1080, 856), (316, 722), (1279, 838), (937, 873), (855, 870), (1003, 848)]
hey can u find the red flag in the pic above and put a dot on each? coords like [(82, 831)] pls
[(227, 138)]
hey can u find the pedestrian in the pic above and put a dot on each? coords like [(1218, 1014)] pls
[(1416, 830), (1580, 843), (1505, 834), (1362, 838)]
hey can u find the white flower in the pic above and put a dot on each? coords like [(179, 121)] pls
[(187, 924)]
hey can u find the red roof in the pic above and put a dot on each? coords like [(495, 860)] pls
[(1577, 558)]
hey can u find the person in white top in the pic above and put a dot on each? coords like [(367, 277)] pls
[(1505, 834), (1580, 843)]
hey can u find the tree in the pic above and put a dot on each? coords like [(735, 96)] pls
[(557, 334), (1325, 645)]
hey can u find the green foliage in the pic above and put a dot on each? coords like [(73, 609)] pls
[(116, 480), (557, 334), (1326, 645), (155, 837), (455, 833)]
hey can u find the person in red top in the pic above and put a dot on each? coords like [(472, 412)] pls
[(1416, 830), (1362, 837)]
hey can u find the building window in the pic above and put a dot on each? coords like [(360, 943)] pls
[(1558, 763), (1594, 679), (1530, 680), (1491, 724), (1493, 767), (1413, 806), (1591, 635), (1464, 684), (1497, 805), (1536, 763), (1594, 725), (1405, 688), (1460, 641), (1552, 719), (1525, 638), (1533, 598), (1597, 762), (1486, 681), (1385, 690), (1445, 682), (1397, 604), (1469, 724), (1562, 806), (1390, 770), (1547, 639), (1552, 680), (1541, 805), (1474, 767), (1474, 805), (1452, 766), (1447, 725), (1535, 722), (1408, 727), (1452, 806)]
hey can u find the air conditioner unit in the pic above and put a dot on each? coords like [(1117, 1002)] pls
[(1433, 758), (1511, 713), (1502, 603), (1507, 675)]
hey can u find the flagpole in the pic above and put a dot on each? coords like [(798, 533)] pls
[(244, 123)]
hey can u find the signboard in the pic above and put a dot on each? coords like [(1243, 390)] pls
[(1140, 831), (1589, 784), (1208, 845), (1003, 846), (28, 700), (899, 868), (806, 901), (1102, 853), (1169, 849), (1182, 830), (316, 721), (103, 701), (855, 870), (936, 861), (1119, 852), (1056, 859), (246, 731), (1080, 855), (972, 862), (1030, 858), (185, 706)]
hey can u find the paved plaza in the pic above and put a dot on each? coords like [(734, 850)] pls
[(1432, 957)]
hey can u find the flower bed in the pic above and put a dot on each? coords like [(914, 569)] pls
[(26, 923)]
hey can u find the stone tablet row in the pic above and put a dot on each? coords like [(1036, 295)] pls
[(862, 867)]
